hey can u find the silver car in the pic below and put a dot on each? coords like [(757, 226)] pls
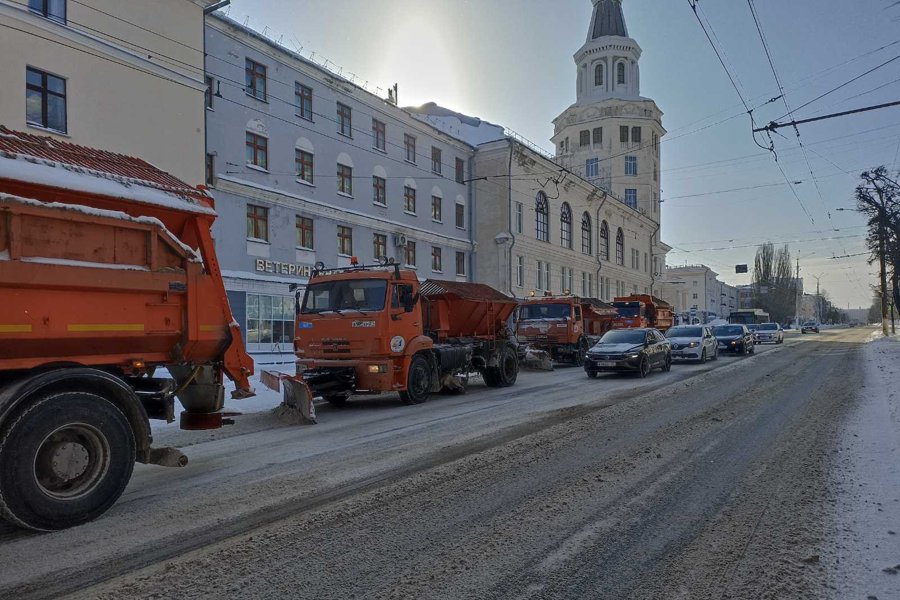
[(693, 342), (770, 332)]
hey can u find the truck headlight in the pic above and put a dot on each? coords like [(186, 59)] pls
[(397, 343), (377, 369)]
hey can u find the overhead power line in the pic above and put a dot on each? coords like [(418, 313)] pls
[(773, 125)]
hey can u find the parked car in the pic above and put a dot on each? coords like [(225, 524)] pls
[(693, 342), (754, 329), (810, 327), (734, 338), (770, 332), (638, 350)]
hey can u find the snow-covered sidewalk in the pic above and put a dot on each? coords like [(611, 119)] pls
[(868, 481)]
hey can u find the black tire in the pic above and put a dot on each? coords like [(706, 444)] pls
[(84, 431), (507, 370), (716, 354), (644, 366), (752, 349), (703, 356), (667, 365), (592, 374), (336, 400), (418, 381), (580, 352)]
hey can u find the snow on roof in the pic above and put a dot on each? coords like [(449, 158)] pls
[(472, 130), (46, 161), (99, 212)]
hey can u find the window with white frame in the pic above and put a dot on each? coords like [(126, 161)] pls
[(520, 271), (565, 226), (592, 168), (631, 198), (631, 168), (519, 216)]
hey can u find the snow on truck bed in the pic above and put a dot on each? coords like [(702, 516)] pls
[(49, 162)]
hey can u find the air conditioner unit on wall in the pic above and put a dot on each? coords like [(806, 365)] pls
[(400, 240)]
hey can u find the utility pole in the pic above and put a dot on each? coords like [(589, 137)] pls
[(881, 260), (797, 292)]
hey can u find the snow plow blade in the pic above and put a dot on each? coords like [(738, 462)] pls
[(297, 399)]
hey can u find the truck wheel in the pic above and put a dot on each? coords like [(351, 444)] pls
[(64, 461), (507, 370), (418, 381)]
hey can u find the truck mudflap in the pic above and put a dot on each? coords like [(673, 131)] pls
[(298, 396)]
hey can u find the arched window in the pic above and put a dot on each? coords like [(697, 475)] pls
[(620, 73), (620, 247), (542, 217), (565, 226), (598, 75), (587, 234), (604, 241)]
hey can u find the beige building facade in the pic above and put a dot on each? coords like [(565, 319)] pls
[(121, 75)]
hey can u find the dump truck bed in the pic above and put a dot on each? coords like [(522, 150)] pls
[(455, 309)]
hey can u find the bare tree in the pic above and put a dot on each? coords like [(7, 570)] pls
[(774, 286), (878, 197)]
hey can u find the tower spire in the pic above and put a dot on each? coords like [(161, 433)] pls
[(607, 20)]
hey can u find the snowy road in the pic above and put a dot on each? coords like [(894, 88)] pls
[(713, 480)]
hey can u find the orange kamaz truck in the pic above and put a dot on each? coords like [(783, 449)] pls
[(107, 273), (643, 310), (373, 329), (564, 326)]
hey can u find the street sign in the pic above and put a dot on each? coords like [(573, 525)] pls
[(740, 268)]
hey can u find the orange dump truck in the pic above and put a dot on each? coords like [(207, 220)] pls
[(643, 310), (564, 326), (373, 329), (100, 284)]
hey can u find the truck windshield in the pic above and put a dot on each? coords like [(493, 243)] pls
[(532, 312), (628, 311), (347, 294)]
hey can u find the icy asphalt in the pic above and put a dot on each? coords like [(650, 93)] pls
[(744, 478)]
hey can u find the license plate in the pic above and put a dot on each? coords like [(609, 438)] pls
[(606, 363)]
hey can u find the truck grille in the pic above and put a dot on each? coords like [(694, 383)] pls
[(335, 347)]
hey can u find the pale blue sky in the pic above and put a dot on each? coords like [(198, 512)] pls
[(510, 62)]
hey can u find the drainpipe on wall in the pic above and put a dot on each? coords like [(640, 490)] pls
[(652, 256), (472, 221), (509, 211)]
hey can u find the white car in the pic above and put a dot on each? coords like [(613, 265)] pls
[(770, 332), (693, 342)]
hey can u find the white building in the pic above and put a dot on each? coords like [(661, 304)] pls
[(696, 292)]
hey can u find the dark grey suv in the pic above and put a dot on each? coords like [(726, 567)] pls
[(629, 350)]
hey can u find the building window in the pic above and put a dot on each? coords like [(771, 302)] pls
[(592, 168), (461, 264), (345, 120), (598, 136), (587, 234), (304, 162), (631, 166), (604, 241), (584, 138), (379, 135), (460, 170), (460, 216), (345, 240), (437, 209), (303, 100), (255, 80), (257, 150), (379, 245), (409, 145), (304, 233), (437, 261), (631, 198), (542, 217), (345, 179), (258, 223), (620, 73), (620, 247), (520, 271), (208, 93), (636, 135), (410, 257), (55, 10), (210, 169), (565, 226), (635, 259), (540, 275), (598, 75), (409, 199), (436, 165), (45, 100), (270, 319), (695, 296), (646, 263), (519, 213), (568, 280), (379, 192), (623, 134), (655, 172)]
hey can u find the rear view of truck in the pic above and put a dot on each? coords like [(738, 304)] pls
[(107, 272)]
